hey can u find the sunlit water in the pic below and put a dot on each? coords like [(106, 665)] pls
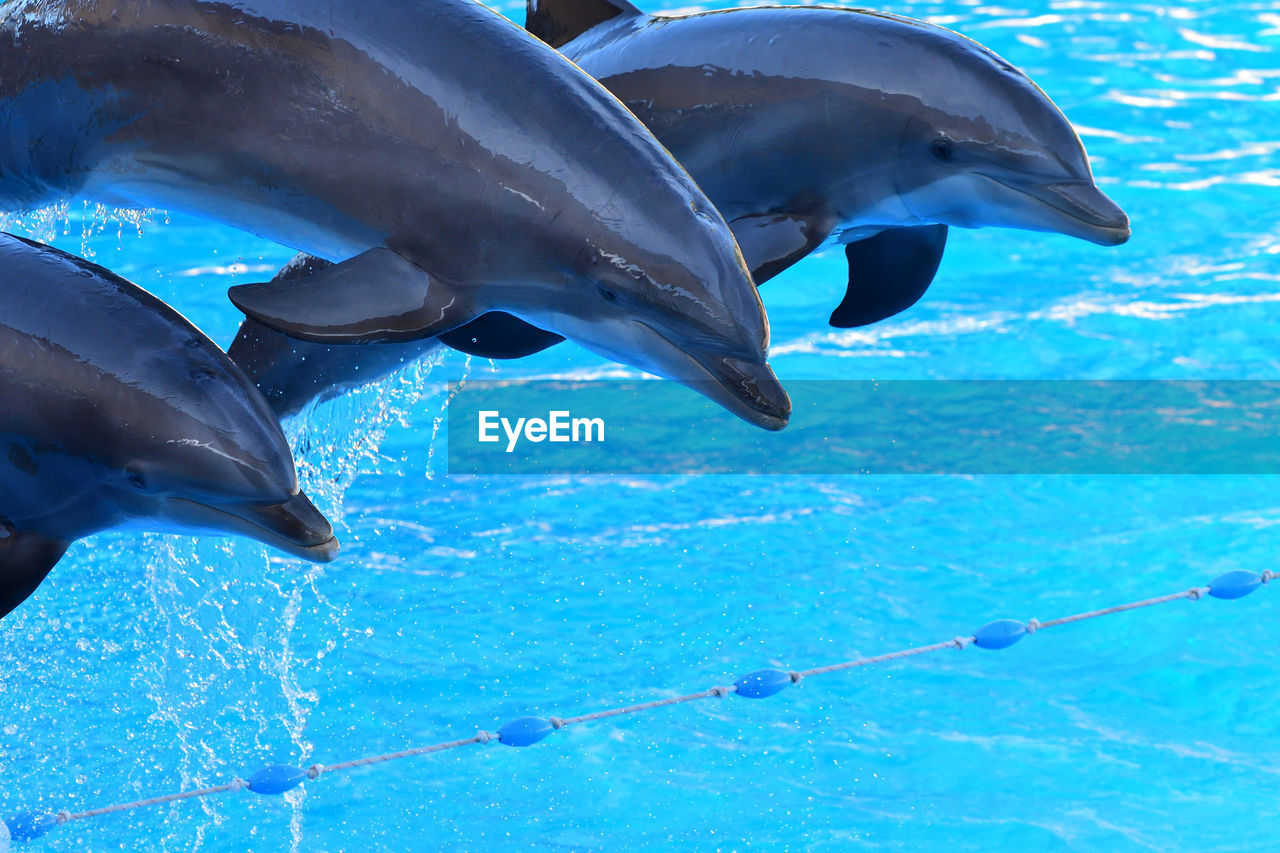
[(147, 664)]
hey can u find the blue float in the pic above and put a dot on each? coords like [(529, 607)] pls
[(762, 683), (28, 826), (1235, 584), (525, 731), (1000, 634), (275, 779)]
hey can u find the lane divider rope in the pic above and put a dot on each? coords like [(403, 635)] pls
[(276, 779)]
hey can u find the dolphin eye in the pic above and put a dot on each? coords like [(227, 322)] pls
[(135, 479), (942, 149), (606, 294)]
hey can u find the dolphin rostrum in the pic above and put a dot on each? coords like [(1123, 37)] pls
[(118, 411), (452, 163)]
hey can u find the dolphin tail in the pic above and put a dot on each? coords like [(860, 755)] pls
[(375, 297), (558, 22), (26, 559), (291, 373), (888, 273)]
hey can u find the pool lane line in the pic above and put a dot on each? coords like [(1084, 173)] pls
[(276, 779)]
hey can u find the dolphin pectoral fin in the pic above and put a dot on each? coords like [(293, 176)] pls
[(499, 335), (26, 559), (888, 273), (375, 297), (558, 22), (291, 373), (774, 241)]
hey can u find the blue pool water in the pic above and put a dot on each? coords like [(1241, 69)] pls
[(148, 664)]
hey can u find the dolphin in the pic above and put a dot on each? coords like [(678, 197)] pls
[(813, 124), (805, 126), (449, 162), (117, 411)]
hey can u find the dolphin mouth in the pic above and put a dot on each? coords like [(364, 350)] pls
[(1079, 209), (749, 390), (294, 525), (746, 387)]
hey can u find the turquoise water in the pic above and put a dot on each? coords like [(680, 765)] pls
[(149, 664)]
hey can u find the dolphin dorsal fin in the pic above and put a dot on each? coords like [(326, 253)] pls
[(558, 22)]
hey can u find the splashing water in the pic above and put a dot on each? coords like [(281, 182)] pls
[(338, 440), (249, 615), (94, 220), (44, 224)]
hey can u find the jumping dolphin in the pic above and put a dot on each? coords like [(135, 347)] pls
[(450, 161), (117, 411), (804, 124)]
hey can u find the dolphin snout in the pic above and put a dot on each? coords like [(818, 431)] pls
[(748, 388), (1098, 219), (293, 525), (744, 386)]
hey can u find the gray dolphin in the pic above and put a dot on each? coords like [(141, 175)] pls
[(450, 161), (118, 411), (804, 124)]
